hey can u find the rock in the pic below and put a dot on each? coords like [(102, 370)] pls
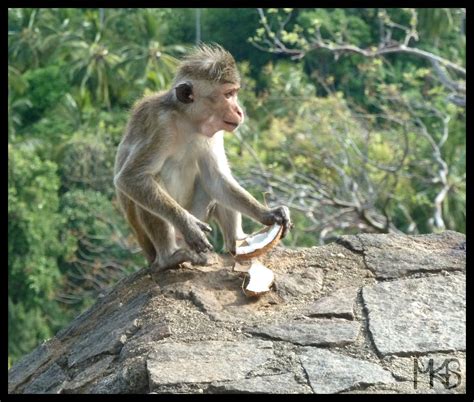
[(27, 366), (330, 372), (110, 384), (172, 363), (206, 301), (133, 376), (393, 255), (106, 304), (271, 384), (192, 329), (295, 285), (338, 304), (88, 375), (351, 242), (129, 378), (438, 372), (108, 335), (141, 340), (50, 382), (335, 332), (417, 315)]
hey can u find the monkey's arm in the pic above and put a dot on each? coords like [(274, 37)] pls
[(221, 185), (136, 179)]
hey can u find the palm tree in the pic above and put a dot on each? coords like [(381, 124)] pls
[(93, 65), (152, 64), (149, 61), (17, 86), (24, 38), (35, 35)]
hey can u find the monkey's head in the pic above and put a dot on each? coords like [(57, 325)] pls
[(206, 88)]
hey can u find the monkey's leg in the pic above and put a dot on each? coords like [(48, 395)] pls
[(162, 235), (230, 222), (202, 203), (129, 210)]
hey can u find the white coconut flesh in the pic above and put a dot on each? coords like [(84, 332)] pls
[(258, 240), (261, 278)]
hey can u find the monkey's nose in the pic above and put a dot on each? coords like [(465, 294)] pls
[(239, 112)]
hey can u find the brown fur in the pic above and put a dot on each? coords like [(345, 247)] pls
[(171, 173), (210, 63)]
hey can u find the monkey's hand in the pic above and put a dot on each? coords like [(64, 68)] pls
[(280, 215), (193, 233)]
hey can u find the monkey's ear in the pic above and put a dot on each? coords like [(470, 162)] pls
[(184, 92)]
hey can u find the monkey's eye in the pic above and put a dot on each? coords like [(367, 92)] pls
[(230, 94)]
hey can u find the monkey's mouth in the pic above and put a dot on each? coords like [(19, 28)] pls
[(229, 123)]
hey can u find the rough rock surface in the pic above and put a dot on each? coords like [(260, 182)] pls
[(360, 315), (320, 332), (330, 372), (438, 304), (393, 255), (268, 384), (195, 362), (337, 304)]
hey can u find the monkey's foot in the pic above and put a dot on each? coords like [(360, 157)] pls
[(179, 257)]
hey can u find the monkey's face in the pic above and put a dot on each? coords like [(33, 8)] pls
[(214, 107), (231, 113)]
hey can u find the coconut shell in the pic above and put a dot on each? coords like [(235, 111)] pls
[(260, 251), (256, 270), (242, 266)]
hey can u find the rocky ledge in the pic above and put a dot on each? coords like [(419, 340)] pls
[(366, 314)]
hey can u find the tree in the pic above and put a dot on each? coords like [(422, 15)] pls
[(394, 37), (403, 112), (33, 248)]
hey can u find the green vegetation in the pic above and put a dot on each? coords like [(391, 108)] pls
[(355, 120)]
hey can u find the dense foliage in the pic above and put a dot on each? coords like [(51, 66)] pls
[(351, 141)]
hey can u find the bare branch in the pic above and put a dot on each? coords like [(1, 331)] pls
[(379, 51), (446, 80), (386, 45)]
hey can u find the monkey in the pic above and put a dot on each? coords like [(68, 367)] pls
[(171, 172)]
